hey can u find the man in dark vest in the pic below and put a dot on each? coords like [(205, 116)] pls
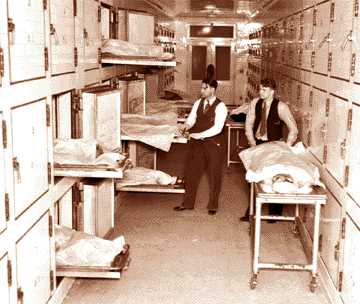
[(205, 125), (264, 123)]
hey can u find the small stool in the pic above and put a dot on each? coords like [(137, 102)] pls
[(316, 197)]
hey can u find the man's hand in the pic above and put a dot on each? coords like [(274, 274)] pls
[(183, 128), (195, 135)]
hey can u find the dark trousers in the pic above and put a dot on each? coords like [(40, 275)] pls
[(204, 155)]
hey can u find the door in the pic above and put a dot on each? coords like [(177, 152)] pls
[(322, 38), (62, 36), (318, 124), (330, 227), (33, 276), (62, 106), (26, 26), (2, 183), (91, 34), (353, 155), (4, 285), (30, 153), (336, 141), (221, 55), (351, 274), (341, 36)]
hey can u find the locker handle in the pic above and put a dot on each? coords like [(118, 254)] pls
[(11, 31), (16, 168), (54, 33), (346, 40), (323, 130), (326, 39), (343, 148)]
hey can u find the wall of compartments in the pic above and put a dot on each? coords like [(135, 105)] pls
[(49, 53), (314, 55)]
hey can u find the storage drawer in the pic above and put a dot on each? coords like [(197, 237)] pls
[(33, 274), (30, 153), (4, 283)]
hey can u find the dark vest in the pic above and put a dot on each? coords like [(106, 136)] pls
[(205, 121), (274, 124)]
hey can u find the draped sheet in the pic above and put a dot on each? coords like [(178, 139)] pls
[(154, 130)]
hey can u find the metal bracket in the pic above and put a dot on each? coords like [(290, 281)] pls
[(76, 57), (325, 154), (4, 134), (75, 7), (9, 272), (332, 12), (353, 64), (49, 173), (50, 226), (2, 63), (311, 98), (341, 275), (343, 227), (45, 4), (349, 120), (356, 8), (7, 207), (346, 176), (327, 107), (46, 58)]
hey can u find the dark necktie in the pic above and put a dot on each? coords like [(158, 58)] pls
[(206, 106), (263, 120)]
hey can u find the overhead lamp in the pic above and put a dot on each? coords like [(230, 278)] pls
[(254, 14)]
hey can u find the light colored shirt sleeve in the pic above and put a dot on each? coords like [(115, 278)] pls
[(220, 117), (287, 117), (190, 121), (249, 123)]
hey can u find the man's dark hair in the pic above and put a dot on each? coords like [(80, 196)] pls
[(268, 83), (211, 82)]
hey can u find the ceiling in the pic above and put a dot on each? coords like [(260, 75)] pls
[(241, 10)]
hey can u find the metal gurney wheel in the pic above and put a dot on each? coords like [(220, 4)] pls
[(253, 281)]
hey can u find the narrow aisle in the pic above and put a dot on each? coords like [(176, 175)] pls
[(192, 257)]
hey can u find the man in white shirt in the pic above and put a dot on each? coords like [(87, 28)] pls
[(264, 123), (205, 125)]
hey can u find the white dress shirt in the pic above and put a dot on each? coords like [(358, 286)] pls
[(284, 114), (220, 117)]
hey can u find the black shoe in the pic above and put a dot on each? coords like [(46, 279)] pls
[(181, 208), (244, 218), (212, 212)]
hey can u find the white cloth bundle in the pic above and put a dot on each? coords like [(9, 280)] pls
[(144, 176), (74, 248), (125, 48), (280, 168)]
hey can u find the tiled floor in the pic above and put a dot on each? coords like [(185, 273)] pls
[(192, 257)]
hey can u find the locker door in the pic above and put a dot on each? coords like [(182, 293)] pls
[(355, 68), (62, 36), (26, 39), (2, 183), (296, 38), (108, 109), (336, 138), (91, 34), (322, 35), (63, 115), (30, 158), (288, 41), (305, 110), (122, 32), (351, 275), (353, 155), (105, 22), (105, 207), (330, 227), (89, 206), (340, 45), (308, 36), (318, 124), (4, 287), (33, 276), (64, 210)]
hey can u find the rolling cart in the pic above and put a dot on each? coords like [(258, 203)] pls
[(257, 198)]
